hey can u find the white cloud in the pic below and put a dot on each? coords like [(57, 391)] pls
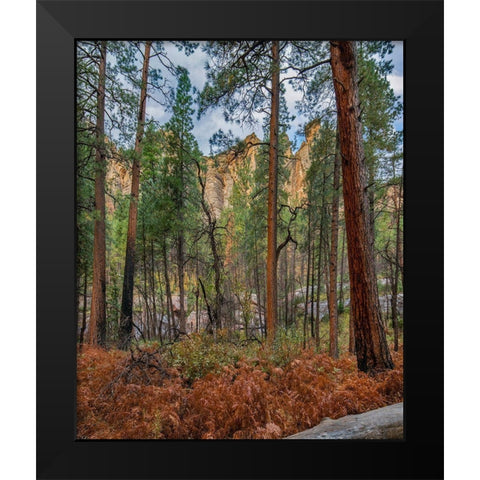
[(157, 111), (396, 81), (214, 120)]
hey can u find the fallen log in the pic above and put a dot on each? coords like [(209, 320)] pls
[(381, 424)]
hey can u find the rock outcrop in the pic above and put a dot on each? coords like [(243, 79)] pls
[(223, 170)]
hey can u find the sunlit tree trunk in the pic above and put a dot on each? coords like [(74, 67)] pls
[(98, 319), (370, 340), (126, 316)]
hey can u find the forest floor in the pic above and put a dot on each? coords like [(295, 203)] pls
[(204, 389)]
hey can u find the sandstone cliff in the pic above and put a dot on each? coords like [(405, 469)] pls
[(223, 171)]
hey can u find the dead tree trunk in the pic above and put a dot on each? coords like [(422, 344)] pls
[(211, 227), (384, 423)]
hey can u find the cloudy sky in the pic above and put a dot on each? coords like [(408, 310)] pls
[(213, 120)]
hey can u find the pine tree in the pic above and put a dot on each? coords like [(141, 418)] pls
[(370, 341), (98, 321), (244, 78), (181, 154), (126, 318)]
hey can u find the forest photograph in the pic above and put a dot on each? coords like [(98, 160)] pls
[(239, 213)]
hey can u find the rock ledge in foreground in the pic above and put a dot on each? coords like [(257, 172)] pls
[(381, 424)]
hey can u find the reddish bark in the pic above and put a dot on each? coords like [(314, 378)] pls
[(370, 340), (98, 320)]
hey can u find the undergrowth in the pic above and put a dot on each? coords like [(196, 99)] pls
[(200, 389)]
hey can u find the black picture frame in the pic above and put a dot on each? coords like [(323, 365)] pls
[(420, 25)]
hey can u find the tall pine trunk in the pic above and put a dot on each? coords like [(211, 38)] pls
[(332, 304), (98, 319), (370, 340), (271, 312), (126, 316)]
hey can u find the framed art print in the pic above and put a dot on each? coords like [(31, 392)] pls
[(233, 202)]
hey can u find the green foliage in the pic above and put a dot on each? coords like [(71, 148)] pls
[(200, 354), (380, 109), (170, 203), (229, 81), (287, 346), (178, 169), (85, 206)]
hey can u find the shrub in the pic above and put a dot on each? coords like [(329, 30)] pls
[(203, 389)]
